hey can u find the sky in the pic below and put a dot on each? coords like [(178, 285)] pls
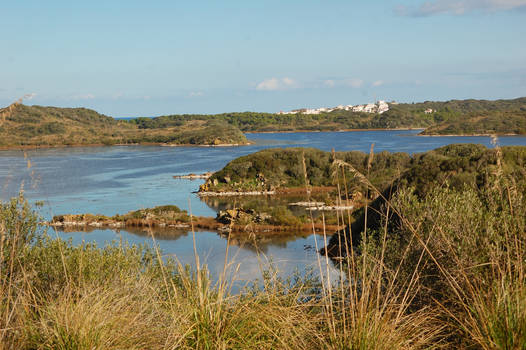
[(146, 58)]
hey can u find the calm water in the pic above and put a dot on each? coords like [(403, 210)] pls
[(110, 180)]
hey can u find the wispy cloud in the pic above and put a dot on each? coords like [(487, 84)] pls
[(30, 96), (378, 83), (353, 82), (274, 84), (460, 7), (83, 97), (195, 94), (343, 82)]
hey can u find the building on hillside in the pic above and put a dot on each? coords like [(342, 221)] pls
[(379, 107), (382, 107), (370, 108)]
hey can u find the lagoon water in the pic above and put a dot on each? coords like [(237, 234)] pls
[(111, 180)]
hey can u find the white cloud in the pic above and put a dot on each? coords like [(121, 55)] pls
[(195, 94), (30, 96), (353, 82), (274, 84), (460, 7), (341, 82), (378, 83)]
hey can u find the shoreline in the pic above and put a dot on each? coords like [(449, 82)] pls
[(198, 223), (233, 193), (339, 130), (37, 147), (470, 135), (194, 176), (284, 191)]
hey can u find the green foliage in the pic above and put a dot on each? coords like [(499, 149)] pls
[(472, 259), (161, 213), (282, 168), (476, 123), (18, 226)]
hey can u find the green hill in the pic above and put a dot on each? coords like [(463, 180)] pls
[(504, 117), (283, 168), (22, 125), (482, 123)]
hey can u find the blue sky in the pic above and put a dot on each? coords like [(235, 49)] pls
[(145, 58)]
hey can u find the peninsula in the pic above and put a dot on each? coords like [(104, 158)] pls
[(37, 126)]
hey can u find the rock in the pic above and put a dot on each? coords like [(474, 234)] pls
[(240, 216)]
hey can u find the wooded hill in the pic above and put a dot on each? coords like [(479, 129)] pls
[(22, 125), (454, 117), (271, 169)]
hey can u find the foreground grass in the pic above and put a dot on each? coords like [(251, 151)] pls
[(58, 296), (446, 271)]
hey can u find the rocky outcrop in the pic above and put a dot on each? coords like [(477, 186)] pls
[(242, 216), (194, 176), (234, 193)]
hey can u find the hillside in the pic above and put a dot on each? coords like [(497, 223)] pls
[(399, 116), (482, 123), (22, 125), (283, 168), (268, 122)]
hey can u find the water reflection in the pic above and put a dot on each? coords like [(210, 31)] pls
[(242, 240), (287, 253)]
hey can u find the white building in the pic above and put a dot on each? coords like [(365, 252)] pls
[(380, 107), (370, 108)]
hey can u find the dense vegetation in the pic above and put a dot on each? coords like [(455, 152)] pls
[(402, 115), (283, 168), (336, 120), (482, 123), (22, 125), (447, 271)]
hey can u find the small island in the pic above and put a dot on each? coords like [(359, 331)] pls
[(236, 222)]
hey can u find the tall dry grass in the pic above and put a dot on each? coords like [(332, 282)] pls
[(449, 274)]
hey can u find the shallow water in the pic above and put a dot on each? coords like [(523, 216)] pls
[(111, 180)]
